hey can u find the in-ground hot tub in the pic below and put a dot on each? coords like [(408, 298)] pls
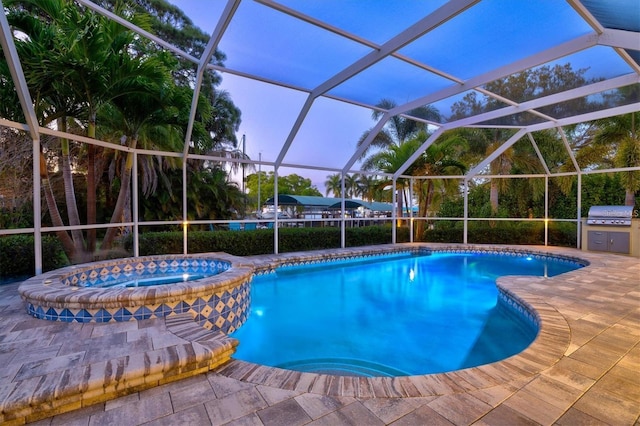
[(213, 288)]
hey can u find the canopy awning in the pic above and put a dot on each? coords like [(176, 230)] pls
[(329, 203)]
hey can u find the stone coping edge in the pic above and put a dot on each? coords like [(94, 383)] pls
[(48, 290)]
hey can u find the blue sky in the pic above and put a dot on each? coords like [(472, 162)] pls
[(269, 112), (493, 33)]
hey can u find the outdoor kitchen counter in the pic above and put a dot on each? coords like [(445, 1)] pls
[(633, 232)]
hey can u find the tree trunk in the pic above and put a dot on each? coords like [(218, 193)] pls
[(629, 198), (69, 190), (91, 186), (421, 211), (123, 197), (493, 196), (426, 195), (56, 219)]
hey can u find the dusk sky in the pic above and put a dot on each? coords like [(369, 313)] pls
[(269, 111), (306, 56)]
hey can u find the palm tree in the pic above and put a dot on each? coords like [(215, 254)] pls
[(392, 143), (333, 184), (439, 159), (351, 188), (210, 195), (390, 160), (545, 80), (619, 132), (399, 128), (83, 68), (369, 187), (483, 142), (143, 119), (51, 99), (76, 62)]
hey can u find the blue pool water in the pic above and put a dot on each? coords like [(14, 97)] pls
[(149, 277), (407, 315)]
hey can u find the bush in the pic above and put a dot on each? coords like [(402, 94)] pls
[(18, 257), (21, 217), (525, 233), (260, 241)]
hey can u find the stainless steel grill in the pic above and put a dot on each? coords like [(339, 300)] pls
[(610, 215)]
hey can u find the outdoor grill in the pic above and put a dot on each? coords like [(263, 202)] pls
[(610, 215)]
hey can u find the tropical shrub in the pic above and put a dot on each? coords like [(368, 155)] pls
[(260, 241), (18, 257), (526, 233)]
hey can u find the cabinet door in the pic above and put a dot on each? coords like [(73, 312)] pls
[(597, 241), (619, 242)]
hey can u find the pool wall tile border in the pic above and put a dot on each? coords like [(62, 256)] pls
[(92, 275), (287, 260)]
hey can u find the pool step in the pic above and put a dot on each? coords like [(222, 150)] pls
[(195, 351), (343, 367)]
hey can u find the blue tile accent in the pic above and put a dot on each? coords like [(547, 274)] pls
[(225, 327), (122, 314), (523, 313), (102, 316), (198, 305), (66, 315), (83, 316), (181, 307), (51, 314), (162, 310), (142, 313)]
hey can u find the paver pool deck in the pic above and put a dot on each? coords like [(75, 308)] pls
[(583, 368)]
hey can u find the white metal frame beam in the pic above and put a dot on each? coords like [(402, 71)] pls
[(214, 40), (104, 12), (17, 74), (526, 106), (556, 52), (495, 154), (26, 103), (543, 162), (426, 24)]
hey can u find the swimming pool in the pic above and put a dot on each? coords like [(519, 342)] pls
[(404, 314)]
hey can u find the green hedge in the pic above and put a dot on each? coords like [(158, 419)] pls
[(260, 241), (17, 257), (526, 233)]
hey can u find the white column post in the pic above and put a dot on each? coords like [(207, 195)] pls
[(134, 206), (466, 211), (546, 210), (37, 206)]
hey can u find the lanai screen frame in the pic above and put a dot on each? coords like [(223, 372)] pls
[(620, 40)]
